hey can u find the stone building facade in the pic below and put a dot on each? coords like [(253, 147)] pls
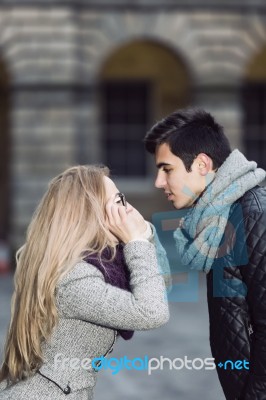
[(81, 82)]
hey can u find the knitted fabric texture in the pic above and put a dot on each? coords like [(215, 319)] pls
[(202, 229)]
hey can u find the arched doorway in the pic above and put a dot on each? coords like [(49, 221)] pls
[(4, 153), (140, 83), (254, 108)]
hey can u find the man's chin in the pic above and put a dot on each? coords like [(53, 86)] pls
[(176, 205), (179, 206)]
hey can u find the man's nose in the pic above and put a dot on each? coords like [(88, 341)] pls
[(160, 181)]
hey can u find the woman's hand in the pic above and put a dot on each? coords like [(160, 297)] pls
[(125, 223)]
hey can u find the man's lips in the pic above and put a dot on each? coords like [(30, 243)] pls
[(169, 195)]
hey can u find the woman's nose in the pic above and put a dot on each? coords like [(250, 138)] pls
[(129, 207)]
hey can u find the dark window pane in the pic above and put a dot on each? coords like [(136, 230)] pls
[(254, 123), (125, 122)]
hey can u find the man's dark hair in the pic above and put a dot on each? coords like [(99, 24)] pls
[(189, 132)]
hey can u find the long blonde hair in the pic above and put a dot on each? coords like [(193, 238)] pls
[(69, 221)]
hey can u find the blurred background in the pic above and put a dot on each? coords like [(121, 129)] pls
[(81, 82)]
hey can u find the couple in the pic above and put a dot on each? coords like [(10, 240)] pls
[(89, 272)]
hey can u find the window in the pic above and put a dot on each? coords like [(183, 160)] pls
[(125, 122), (254, 123)]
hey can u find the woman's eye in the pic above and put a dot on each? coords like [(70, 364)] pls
[(120, 199)]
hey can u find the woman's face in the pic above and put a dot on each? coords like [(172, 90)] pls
[(112, 191)]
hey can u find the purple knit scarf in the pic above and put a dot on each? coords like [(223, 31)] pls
[(115, 273)]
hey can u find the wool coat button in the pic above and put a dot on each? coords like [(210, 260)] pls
[(67, 390)]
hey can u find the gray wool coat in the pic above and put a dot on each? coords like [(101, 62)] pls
[(90, 311)]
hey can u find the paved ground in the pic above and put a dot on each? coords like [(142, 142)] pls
[(186, 334)]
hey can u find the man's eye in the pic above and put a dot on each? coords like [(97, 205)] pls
[(167, 170)]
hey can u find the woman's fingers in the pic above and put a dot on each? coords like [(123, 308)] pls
[(122, 212), (116, 213), (109, 210), (125, 223)]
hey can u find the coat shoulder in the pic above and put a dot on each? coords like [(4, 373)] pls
[(253, 201), (80, 270)]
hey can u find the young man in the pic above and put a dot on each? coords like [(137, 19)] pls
[(223, 234)]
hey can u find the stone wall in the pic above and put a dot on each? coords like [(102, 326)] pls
[(54, 56)]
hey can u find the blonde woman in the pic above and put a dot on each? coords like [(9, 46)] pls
[(85, 275)]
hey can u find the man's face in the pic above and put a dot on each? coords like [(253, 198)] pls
[(181, 187)]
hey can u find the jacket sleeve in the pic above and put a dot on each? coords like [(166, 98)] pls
[(254, 276), (84, 294), (162, 259)]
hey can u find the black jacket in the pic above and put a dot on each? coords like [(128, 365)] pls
[(237, 301)]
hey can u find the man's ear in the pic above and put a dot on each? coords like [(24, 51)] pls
[(204, 164)]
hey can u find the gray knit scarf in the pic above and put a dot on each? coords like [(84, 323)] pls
[(201, 230)]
